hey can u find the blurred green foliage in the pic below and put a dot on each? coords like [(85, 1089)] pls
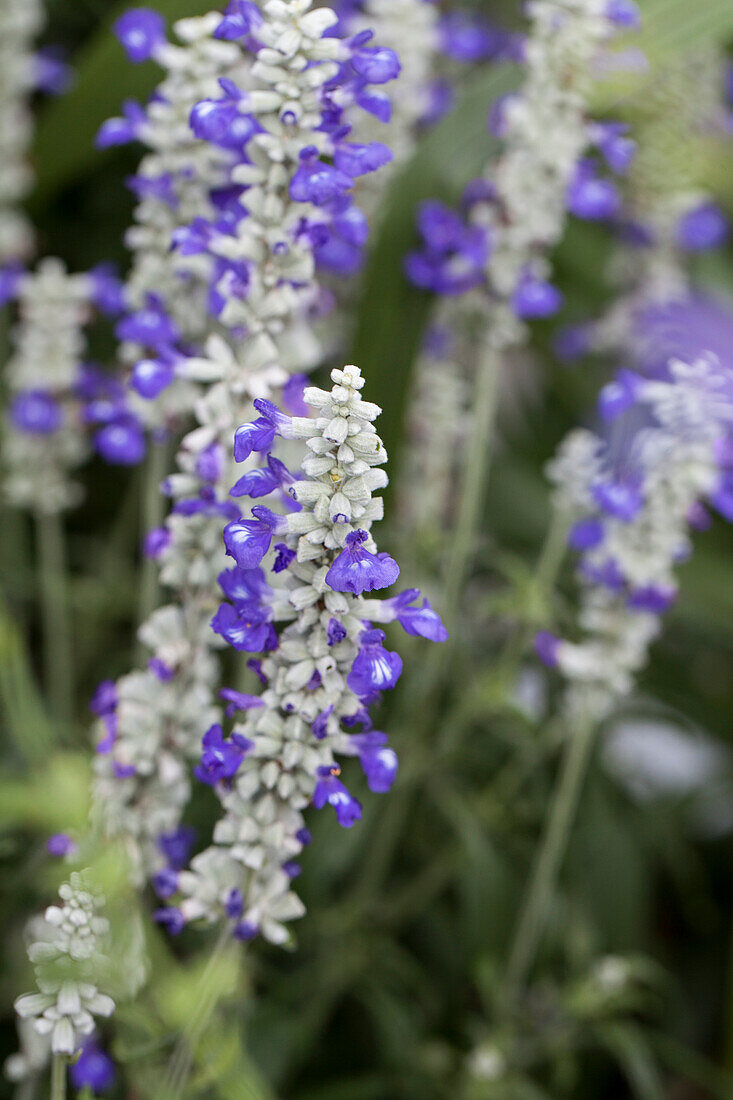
[(394, 981)]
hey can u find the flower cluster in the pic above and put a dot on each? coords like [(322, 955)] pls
[(516, 213), (631, 502), (181, 178), (488, 260), (54, 395), (666, 219), (321, 673), (290, 113), (20, 22), (411, 29), (68, 956)]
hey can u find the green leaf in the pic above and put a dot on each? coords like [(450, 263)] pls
[(628, 1046), (678, 25), (64, 146), (22, 708), (392, 313)]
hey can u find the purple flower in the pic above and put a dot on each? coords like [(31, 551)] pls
[(292, 869), (619, 499), (121, 131), (238, 701), (248, 542), (171, 919), (53, 75), (176, 846), (10, 277), (257, 436), (150, 377), (234, 905), (284, 558), (161, 670), (108, 290), (330, 790), (317, 182), (293, 391), (377, 65), (357, 570), (320, 724), (262, 482), (36, 412), (121, 443), (260, 434), (93, 1069), (123, 771), (624, 13), (379, 762), (221, 759), (140, 31), (149, 326), (336, 632), (165, 883), (703, 228), (618, 396), (469, 38), (359, 160), (156, 541), (240, 19), (154, 187), (655, 599), (245, 628), (104, 701), (246, 931), (586, 534), (220, 122), (61, 845), (244, 585), (422, 621), (619, 151), (592, 198), (547, 648), (453, 259), (607, 574), (375, 668), (535, 298)]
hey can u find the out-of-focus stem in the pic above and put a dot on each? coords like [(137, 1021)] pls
[(182, 1060), (550, 855), (56, 616), (478, 461)]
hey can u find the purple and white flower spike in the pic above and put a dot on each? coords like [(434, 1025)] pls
[(289, 95), (675, 451), (323, 670)]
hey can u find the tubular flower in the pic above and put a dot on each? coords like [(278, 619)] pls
[(323, 670)]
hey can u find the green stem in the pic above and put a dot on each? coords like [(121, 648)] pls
[(56, 616), (543, 881), (476, 476), (152, 515), (58, 1077), (181, 1063)]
